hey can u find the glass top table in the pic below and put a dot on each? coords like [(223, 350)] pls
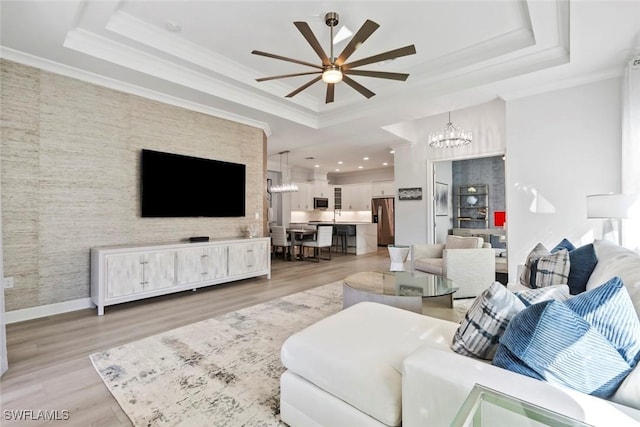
[(411, 290), (487, 407)]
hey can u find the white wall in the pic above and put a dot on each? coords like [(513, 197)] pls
[(561, 146), (70, 178), (413, 163), (444, 174)]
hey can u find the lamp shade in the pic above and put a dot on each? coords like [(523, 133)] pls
[(610, 205)]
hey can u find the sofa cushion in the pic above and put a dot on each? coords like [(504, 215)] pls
[(537, 252), (461, 242), (549, 270), (357, 354), (429, 265), (485, 322), (614, 260), (629, 391), (560, 342)]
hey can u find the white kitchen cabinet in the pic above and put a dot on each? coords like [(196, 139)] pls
[(383, 188), (127, 273), (322, 189), (356, 197), (302, 200)]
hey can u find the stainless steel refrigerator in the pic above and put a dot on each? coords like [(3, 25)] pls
[(383, 214)]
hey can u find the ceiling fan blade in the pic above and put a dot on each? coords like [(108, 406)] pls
[(284, 76), (392, 54), (378, 74), (304, 28), (330, 91), (357, 86), (368, 28), (284, 58), (303, 87)]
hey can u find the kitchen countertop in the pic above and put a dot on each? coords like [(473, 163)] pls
[(337, 223)]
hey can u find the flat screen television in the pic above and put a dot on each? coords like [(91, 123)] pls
[(174, 185)]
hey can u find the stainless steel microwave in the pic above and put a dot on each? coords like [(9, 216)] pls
[(320, 203)]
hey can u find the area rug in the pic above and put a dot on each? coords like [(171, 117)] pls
[(223, 371)]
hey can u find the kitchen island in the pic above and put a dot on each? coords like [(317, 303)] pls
[(362, 239)]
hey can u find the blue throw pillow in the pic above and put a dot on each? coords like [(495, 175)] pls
[(609, 309), (582, 262), (589, 342), (564, 244), (549, 341)]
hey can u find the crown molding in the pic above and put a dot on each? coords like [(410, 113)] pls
[(100, 47), (153, 36), (97, 79)]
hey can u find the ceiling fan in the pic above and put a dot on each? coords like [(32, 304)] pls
[(334, 69)]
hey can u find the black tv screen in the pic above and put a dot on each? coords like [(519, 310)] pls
[(174, 185)]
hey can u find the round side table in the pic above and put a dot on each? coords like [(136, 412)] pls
[(398, 255)]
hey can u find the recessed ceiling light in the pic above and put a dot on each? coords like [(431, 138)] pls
[(365, 158), (392, 151), (359, 167), (337, 170), (340, 162), (317, 166), (173, 27), (385, 164)]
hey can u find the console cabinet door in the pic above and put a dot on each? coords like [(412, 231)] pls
[(128, 274), (190, 266), (216, 262), (247, 257), (159, 270), (201, 264), (124, 274)]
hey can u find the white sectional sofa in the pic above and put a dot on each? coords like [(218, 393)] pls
[(374, 365)]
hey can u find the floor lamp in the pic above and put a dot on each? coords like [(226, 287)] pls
[(610, 207)]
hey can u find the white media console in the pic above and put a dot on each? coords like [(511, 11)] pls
[(127, 273)]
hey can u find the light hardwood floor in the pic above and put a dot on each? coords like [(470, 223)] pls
[(49, 367)]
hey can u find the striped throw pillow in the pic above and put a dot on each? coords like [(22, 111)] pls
[(589, 343), (485, 322)]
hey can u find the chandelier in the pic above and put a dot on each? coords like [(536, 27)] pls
[(450, 137), (286, 186)]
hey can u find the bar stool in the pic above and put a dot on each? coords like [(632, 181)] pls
[(340, 232)]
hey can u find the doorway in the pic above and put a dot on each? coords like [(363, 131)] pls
[(474, 190)]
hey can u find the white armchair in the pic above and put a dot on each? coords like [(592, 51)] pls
[(468, 261)]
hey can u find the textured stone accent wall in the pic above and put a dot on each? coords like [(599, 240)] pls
[(71, 177)]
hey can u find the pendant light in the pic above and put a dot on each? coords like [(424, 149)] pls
[(286, 186), (450, 136)]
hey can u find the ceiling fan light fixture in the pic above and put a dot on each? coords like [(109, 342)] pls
[(332, 75)]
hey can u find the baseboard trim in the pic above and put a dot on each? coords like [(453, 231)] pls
[(46, 310)]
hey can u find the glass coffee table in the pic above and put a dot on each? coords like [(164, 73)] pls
[(415, 291)]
